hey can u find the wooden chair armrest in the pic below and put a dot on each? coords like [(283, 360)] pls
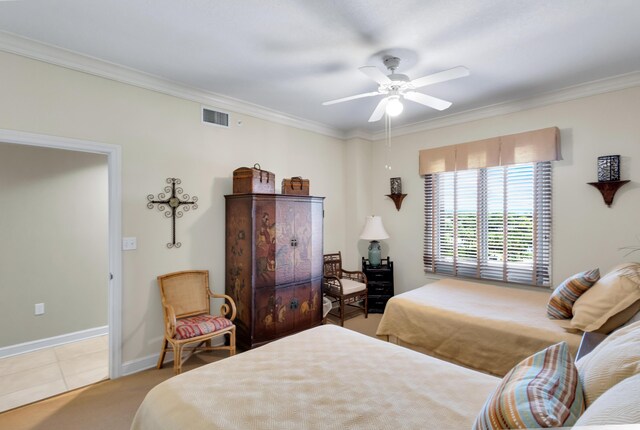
[(225, 309), (355, 275), (333, 284), (169, 321)]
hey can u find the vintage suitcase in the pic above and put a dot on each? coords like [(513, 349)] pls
[(253, 180), (295, 186)]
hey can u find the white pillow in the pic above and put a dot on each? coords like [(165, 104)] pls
[(613, 293), (618, 405), (615, 359)]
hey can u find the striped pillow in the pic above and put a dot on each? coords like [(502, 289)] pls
[(541, 391), (562, 299)]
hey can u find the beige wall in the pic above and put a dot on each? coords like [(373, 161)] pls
[(54, 242), (586, 233), (358, 163), (162, 136)]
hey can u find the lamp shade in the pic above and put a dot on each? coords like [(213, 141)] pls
[(373, 229)]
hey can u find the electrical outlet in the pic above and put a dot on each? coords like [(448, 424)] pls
[(129, 243), (39, 309)]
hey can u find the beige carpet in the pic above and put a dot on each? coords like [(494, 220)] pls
[(111, 405)]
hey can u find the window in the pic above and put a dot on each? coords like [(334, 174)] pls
[(492, 223)]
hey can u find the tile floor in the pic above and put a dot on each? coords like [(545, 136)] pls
[(44, 373)]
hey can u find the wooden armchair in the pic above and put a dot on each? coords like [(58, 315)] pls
[(187, 318), (346, 287)]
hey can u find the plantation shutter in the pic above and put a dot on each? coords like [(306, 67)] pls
[(492, 223)]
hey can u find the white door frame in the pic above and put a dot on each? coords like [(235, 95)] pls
[(114, 156)]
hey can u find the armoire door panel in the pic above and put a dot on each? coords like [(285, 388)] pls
[(317, 221), (308, 313), (266, 307), (286, 309), (285, 257), (265, 243), (304, 246), (238, 257)]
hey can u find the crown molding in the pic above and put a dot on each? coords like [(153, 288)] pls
[(72, 60), (358, 134), (61, 57), (574, 92)]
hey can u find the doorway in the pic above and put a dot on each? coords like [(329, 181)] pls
[(96, 335)]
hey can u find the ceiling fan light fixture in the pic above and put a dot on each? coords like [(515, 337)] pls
[(398, 86), (394, 107)]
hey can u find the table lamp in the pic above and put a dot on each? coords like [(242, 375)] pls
[(374, 231)]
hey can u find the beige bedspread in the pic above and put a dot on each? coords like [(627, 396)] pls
[(324, 378), (485, 327)]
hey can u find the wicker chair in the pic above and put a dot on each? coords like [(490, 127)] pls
[(187, 319), (347, 288)]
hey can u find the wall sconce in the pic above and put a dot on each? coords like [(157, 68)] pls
[(396, 192), (609, 168), (608, 177)]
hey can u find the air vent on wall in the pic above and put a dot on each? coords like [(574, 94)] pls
[(214, 117)]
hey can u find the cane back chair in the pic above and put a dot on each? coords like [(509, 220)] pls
[(187, 317), (347, 288)]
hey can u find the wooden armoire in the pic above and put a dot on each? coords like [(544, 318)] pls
[(274, 264)]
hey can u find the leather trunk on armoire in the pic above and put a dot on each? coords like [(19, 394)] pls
[(274, 264)]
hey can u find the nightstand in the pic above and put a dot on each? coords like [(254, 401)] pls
[(379, 283)]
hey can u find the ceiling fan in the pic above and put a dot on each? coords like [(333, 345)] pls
[(397, 86)]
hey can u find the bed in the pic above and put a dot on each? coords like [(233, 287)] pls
[(484, 327), (325, 377)]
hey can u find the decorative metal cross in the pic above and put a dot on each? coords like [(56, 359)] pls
[(174, 202)]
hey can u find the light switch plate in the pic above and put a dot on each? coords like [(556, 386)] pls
[(39, 309), (129, 243)]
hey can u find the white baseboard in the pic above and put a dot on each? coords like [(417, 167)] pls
[(35, 345), (140, 364), (144, 363)]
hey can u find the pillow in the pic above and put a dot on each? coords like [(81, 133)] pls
[(541, 391), (633, 319), (566, 324), (565, 295), (615, 359), (621, 318), (613, 293), (618, 405)]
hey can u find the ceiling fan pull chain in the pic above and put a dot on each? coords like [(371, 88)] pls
[(388, 130)]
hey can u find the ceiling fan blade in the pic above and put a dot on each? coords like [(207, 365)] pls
[(446, 75), (426, 100), (379, 110), (346, 99), (375, 74)]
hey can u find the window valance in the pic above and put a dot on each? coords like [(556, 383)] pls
[(528, 147)]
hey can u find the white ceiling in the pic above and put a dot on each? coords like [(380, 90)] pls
[(291, 55)]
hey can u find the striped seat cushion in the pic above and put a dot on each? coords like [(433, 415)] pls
[(542, 391), (186, 328), (562, 299)]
